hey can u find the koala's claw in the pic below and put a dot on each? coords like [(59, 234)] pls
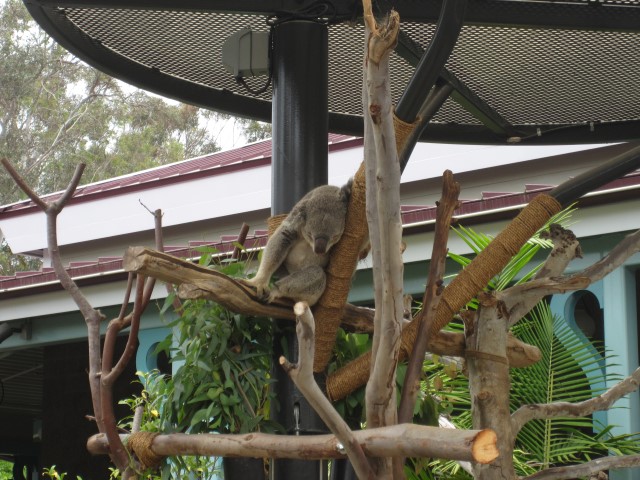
[(264, 294)]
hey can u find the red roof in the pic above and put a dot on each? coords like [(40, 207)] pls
[(249, 156), (411, 214)]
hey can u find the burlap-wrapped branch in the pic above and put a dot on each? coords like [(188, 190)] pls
[(492, 259), (458, 293), (344, 258), (139, 444), (343, 261)]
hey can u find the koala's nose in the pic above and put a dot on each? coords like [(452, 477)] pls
[(320, 245)]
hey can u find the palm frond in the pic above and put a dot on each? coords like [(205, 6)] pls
[(518, 265), (569, 371), (565, 373)]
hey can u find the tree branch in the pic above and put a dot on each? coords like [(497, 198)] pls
[(385, 226), (92, 317), (520, 299), (604, 401), (200, 282), (159, 240), (540, 287), (583, 469), (110, 374), (383, 181), (444, 213), (23, 185), (405, 440), (60, 203), (302, 376), (489, 381)]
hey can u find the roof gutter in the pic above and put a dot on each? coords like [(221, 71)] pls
[(510, 208)]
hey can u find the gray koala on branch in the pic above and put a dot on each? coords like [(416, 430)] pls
[(301, 244)]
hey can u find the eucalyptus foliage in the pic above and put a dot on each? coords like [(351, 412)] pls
[(155, 404), (222, 371), (221, 376)]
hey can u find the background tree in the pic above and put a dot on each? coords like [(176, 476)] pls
[(57, 112), (253, 130)]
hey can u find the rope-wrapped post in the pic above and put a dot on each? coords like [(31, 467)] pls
[(274, 222), (403, 132), (493, 258), (343, 262), (343, 259)]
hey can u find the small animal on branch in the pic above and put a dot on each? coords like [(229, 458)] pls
[(299, 247)]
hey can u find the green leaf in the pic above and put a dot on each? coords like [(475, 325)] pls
[(226, 369), (168, 302), (203, 365), (201, 415)]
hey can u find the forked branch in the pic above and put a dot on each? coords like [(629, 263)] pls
[(92, 317), (302, 375), (521, 298), (198, 282), (102, 374)]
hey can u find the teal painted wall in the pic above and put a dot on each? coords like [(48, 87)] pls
[(70, 326)]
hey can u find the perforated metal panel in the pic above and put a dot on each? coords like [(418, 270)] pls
[(579, 81), (551, 76), (187, 45), (21, 377)]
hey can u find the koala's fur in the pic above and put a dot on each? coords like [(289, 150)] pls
[(301, 244)]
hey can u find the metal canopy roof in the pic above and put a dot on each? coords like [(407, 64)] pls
[(546, 72)]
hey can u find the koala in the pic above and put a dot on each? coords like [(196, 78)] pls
[(300, 246)]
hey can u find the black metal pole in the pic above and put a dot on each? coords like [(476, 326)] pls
[(300, 111), (596, 177), (433, 60), (300, 155)]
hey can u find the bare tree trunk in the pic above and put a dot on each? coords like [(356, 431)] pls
[(385, 227), (489, 383)]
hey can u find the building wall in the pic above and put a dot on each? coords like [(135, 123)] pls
[(65, 384), (65, 428)]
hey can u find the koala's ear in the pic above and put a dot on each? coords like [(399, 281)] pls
[(345, 191)]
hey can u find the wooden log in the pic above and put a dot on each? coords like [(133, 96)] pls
[(199, 282), (196, 281), (404, 440)]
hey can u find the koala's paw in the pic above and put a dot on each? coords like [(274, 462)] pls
[(262, 290), (273, 295)]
